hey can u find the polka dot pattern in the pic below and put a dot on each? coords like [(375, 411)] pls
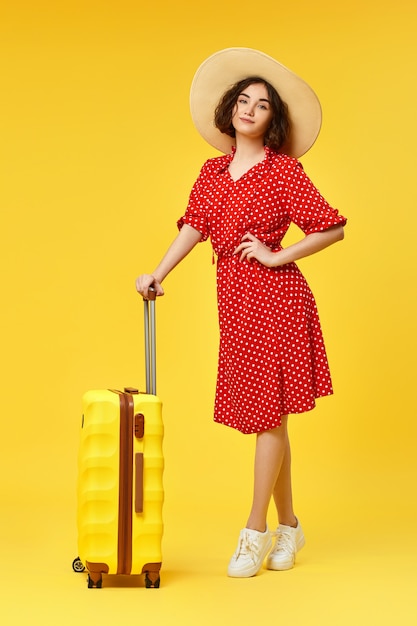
[(272, 359)]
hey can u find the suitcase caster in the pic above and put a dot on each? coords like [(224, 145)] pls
[(77, 565), (150, 583), (95, 583)]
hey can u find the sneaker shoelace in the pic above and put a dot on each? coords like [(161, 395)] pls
[(248, 546), (284, 543)]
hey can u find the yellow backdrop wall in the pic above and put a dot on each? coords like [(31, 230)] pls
[(98, 154)]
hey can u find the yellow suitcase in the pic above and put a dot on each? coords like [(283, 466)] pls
[(120, 471)]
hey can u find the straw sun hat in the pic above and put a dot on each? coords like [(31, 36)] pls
[(223, 69)]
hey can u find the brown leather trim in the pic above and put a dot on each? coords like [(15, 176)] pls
[(139, 482), (139, 425), (151, 567), (95, 570), (124, 546), (98, 568), (131, 390)]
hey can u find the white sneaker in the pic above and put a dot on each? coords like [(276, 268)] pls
[(288, 542), (250, 553)]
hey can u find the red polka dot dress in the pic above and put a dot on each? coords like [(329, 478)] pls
[(272, 359)]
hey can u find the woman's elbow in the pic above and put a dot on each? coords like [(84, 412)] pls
[(341, 233), (338, 233)]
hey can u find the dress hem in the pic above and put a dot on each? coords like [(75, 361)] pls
[(261, 429)]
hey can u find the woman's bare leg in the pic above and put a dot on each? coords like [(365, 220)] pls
[(283, 490), (271, 449)]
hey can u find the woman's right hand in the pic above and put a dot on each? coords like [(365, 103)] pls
[(144, 281)]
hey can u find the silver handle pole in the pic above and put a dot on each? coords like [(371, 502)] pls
[(152, 331), (150, 342)]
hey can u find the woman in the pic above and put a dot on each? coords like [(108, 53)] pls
[(272, 360)]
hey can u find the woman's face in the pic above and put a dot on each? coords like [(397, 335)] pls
[(253, 113)]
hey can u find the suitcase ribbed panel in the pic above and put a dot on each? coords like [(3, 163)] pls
[(147, 526), (98, 479)]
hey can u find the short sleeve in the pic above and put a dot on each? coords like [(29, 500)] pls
[(196, 213), (307, 207)]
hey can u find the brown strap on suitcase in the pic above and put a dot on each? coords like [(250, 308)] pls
[(124, 564), (139, 482)]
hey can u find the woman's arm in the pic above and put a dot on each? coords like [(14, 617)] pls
[(252, 248), (185, 241)]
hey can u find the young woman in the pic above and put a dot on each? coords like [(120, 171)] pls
[(272, 360)]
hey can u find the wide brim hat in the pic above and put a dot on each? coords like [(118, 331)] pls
[(224, 68)]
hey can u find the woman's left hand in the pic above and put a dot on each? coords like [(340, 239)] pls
[(251, 248)]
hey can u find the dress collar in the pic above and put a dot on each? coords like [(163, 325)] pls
[(259, 168)]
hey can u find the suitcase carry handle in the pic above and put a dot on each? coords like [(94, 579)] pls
[(150, 341)]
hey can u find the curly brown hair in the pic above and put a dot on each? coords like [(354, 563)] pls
[(280, 127)]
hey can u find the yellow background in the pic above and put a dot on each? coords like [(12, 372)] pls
[(97, 157)]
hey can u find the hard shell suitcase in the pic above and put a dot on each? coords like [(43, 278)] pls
[(120, 469)]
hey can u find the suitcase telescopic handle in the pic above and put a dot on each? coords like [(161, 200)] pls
[(150, 341)]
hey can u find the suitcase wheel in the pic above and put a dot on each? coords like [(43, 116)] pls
[(91, 584), (152, 584), (77, 565)]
